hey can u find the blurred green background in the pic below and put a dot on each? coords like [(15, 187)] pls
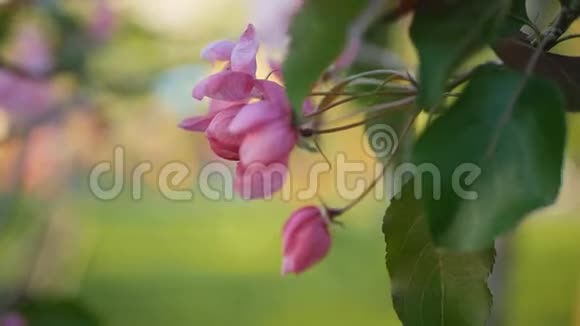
[(154, 261)]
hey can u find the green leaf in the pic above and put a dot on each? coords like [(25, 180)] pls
[(513, 143), (570, 3), (319, 33), (57, 313), (431, 286), (445, 33), (518, 14)]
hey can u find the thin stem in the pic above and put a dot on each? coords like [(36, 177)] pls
[(560, 25), (567, 38), (343, 101), (317, 145), (380, 109), (383, 171), (375, 72), (331, 93), (382, 84), (529, 70), (271, 73)]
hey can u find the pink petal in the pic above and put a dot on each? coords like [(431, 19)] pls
[(273, 92), (199, 123), (32, 51), (225, 86), (254, 115), (221, 141), (244, 53), (13, 319), (287, 266), (306, 239), (298, 219), (272, 143), (217, 105), (312, 245), (218, 51), (102, 22), (308, 107), (276, 67), (260, 180)]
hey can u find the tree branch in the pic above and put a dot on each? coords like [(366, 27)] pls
[(560, 25)]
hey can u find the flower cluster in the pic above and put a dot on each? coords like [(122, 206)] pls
[(249, 119)]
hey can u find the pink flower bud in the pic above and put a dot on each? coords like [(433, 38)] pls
[(306, 239)]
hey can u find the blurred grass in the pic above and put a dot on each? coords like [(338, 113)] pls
[(206, 263), (210, 263)]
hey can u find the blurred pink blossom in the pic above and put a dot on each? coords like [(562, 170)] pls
[(306, 239), (23, 97), (30, 50), (12, 319), (274, 17), (102, 21)]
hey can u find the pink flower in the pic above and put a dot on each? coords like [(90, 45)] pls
[(308, 106), (270, 144), (264, 155), (200, 123), (24, 98), (221, 140), (102, 22), (12, 319), (31, 50), (236, 81), (268, 138), (259, 180), (216, 124), (258, 134), (241, 56), (226, 85), (306, 239)]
